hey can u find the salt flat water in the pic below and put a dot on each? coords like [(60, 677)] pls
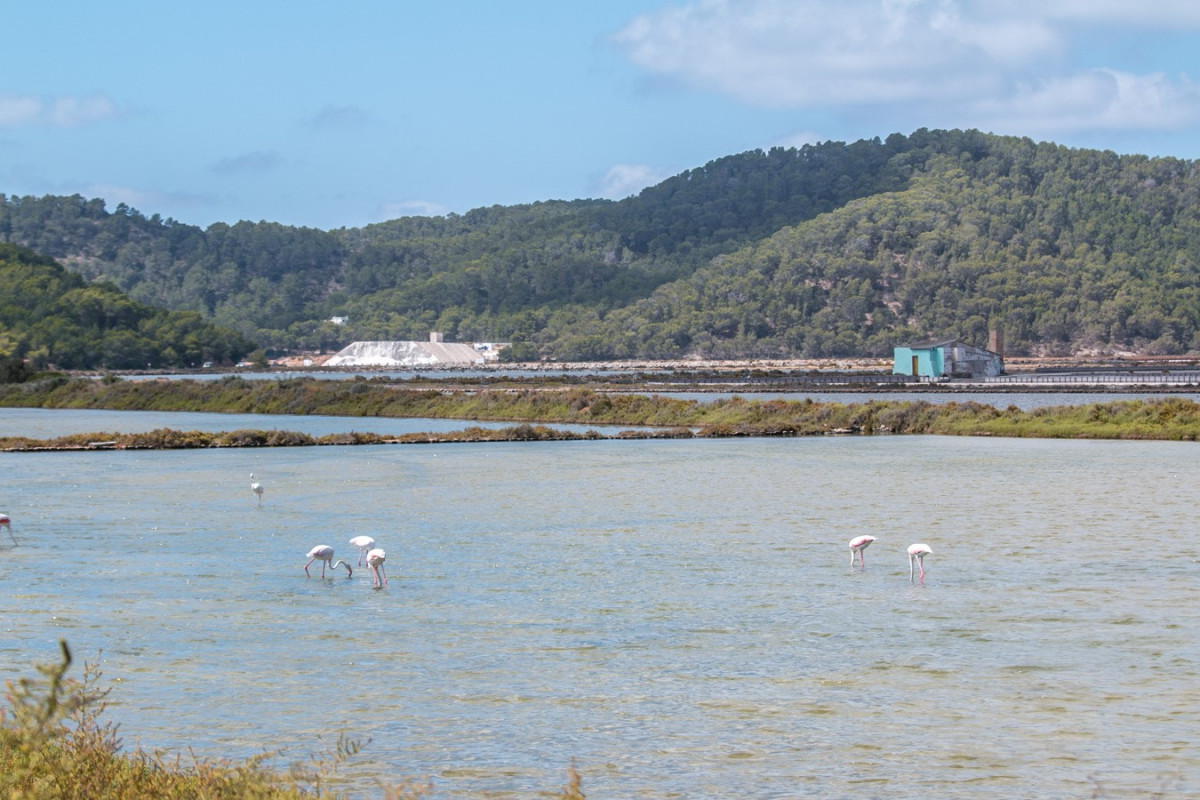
[(42, 423), (678, 618)]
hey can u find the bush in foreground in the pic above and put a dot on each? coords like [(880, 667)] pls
[(53, 745)]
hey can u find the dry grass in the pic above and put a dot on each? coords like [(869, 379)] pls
[(53, 745)]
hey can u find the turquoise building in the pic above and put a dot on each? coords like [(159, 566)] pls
[(946, 359)]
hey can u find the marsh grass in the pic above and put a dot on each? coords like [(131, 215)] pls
[(54, 746), (530, 407)]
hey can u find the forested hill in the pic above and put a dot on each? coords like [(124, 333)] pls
[(52, 317), (829, 249)]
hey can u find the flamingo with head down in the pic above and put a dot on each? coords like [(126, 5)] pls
[(375, 560), (857, 545), (916, 554), (364, 544), (7, 524), (324, 554)]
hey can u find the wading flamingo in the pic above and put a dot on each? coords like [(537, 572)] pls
[(324, 554), (375, 560), (363, 543), (917, 553), (857, 545), (7, 523), (256, 487)]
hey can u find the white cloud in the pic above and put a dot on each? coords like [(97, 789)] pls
[(966, 62), (18, 110), (63, 112), (776, 53), (410, 208), (1161, 14), (624, 180), (1100, 98)]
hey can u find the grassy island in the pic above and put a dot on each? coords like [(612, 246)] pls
[(532, 408)]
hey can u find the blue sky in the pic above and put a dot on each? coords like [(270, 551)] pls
[(343, 114)]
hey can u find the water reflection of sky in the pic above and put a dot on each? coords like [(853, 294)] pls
[(40, 423)]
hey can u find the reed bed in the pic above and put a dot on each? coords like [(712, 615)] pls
[(1169, 418)]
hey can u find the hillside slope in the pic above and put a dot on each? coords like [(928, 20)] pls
[(52, 317), (827, 250)]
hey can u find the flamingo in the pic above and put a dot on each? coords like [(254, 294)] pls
[(324, 553), (7, 523), (917, 553), (256, 487), (375, 560), (363, 543), (857, 545)]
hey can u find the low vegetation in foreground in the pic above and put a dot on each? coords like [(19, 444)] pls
[(533, 409), (54, 745)]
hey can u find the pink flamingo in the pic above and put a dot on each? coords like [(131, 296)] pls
[(363, 543), (7, 524), (324, 553), (917, 553), (857, 545), (375, 560)]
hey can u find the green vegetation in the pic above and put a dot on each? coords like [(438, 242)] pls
[(653, 416), (50, 316), (832, 249), (54, 746)]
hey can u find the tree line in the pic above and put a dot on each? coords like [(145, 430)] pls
[(50, 317), (831, 249)]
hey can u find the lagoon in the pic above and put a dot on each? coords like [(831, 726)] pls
[(42, 423), (676, 617)]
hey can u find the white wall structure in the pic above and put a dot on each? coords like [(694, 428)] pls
[(405, 354)]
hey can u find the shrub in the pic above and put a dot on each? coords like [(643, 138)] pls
[(53, 746)]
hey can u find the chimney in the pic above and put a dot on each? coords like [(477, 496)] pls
[(435, 337), (996, 341)]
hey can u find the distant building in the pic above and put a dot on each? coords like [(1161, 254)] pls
[(431, 354), (946, 359), (338, 320)]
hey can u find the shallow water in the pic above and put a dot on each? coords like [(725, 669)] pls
[(43, 423), (39, 423), (1026, 401), (677, 617)]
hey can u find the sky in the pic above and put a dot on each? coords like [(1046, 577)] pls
[(331, 115)]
